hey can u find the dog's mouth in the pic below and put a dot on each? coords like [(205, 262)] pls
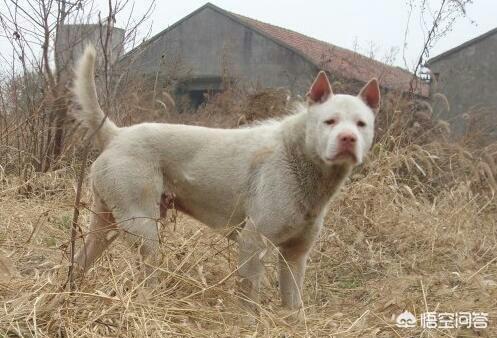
[(343, 156)]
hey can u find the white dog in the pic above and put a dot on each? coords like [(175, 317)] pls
[(271, 182)]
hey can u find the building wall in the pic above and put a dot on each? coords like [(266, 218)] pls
[(468, 79), (208, 46), (73, 39)]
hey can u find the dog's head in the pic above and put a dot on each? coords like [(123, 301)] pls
[(340, 128)]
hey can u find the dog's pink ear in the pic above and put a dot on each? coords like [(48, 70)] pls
[(370, 94), (320, 89)]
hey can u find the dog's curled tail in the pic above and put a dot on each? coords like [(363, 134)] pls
[(91, 115)]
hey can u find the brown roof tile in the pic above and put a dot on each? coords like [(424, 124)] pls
[(339, 60)]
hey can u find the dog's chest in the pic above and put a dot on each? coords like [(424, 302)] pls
[(312, 195), (301, 227)]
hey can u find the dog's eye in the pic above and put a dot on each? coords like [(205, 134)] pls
[(361, 124), (330, 122)]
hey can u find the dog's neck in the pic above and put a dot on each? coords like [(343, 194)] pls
[(316, 181)]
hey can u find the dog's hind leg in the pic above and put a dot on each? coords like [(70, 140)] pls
[(138, 223), (132, 189), (102, 232), (141, 232)]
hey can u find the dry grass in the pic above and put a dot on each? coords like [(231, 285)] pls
[(414, 229)]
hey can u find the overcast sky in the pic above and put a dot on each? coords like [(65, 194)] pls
[(364, 25)]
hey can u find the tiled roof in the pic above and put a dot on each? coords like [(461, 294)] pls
[(324, 55), (339, 60)]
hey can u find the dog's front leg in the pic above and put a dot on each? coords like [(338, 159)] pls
[(292, 263), (252, 248)]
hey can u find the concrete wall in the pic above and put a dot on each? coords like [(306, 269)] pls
[(208, 45), (73, 39), (468, 78)]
